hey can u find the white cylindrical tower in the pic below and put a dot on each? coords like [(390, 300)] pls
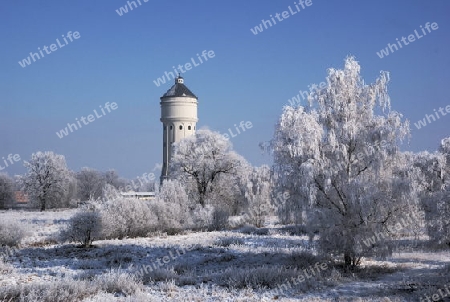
[(179, 118)]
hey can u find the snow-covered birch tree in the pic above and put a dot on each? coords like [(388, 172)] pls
[(433, 186), (47, 179), (337, 157)]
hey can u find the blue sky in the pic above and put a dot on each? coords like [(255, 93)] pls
[(251, 77)]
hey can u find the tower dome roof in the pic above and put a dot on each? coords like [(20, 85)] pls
[(179, 90)]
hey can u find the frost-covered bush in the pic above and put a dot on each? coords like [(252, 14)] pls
[(127, 217), (172, 207), (56, 291), (202, 217), (262, 277), (170, 216), (5, 268), (219, 219), (170, 212), (84, 227), (118, 283), (68, 289), (11, 233)]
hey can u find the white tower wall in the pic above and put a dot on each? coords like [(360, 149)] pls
[(179, 118)]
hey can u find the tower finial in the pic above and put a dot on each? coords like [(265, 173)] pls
[(179, 79)]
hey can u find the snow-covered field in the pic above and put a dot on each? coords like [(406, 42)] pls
[(205, 266)]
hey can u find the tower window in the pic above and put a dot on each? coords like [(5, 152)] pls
[(181, 127), (189, 127), (171, 127)]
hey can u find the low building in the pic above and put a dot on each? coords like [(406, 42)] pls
[(21, 199), (139, 195)]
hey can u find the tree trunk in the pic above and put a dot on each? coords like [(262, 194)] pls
[(201, 200), (42, 208), (347, 260), (87, 240)]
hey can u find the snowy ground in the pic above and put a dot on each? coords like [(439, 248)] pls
[(210, 266)]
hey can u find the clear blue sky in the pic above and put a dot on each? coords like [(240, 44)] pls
[(251, 77)]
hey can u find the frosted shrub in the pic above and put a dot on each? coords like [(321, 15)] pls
[(219, 219), (256, 277), (11, 233), (117, 282), (67, 289), (84, 227), (172, 206), (127, 217), (202, 217), (170, 217), (60, 291), (5, 268)]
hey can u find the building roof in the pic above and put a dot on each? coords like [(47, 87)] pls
[(21, 197), (138, 193), (179, 90)]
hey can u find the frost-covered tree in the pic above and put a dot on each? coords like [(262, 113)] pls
[(69, 199), (6, 191), (433, 186), (257, 193), (444, 149), (201, 161), (337, 158), (47, 179), (90, 184), (111, 177)]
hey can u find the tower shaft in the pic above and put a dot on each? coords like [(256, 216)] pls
[(179, 119)]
